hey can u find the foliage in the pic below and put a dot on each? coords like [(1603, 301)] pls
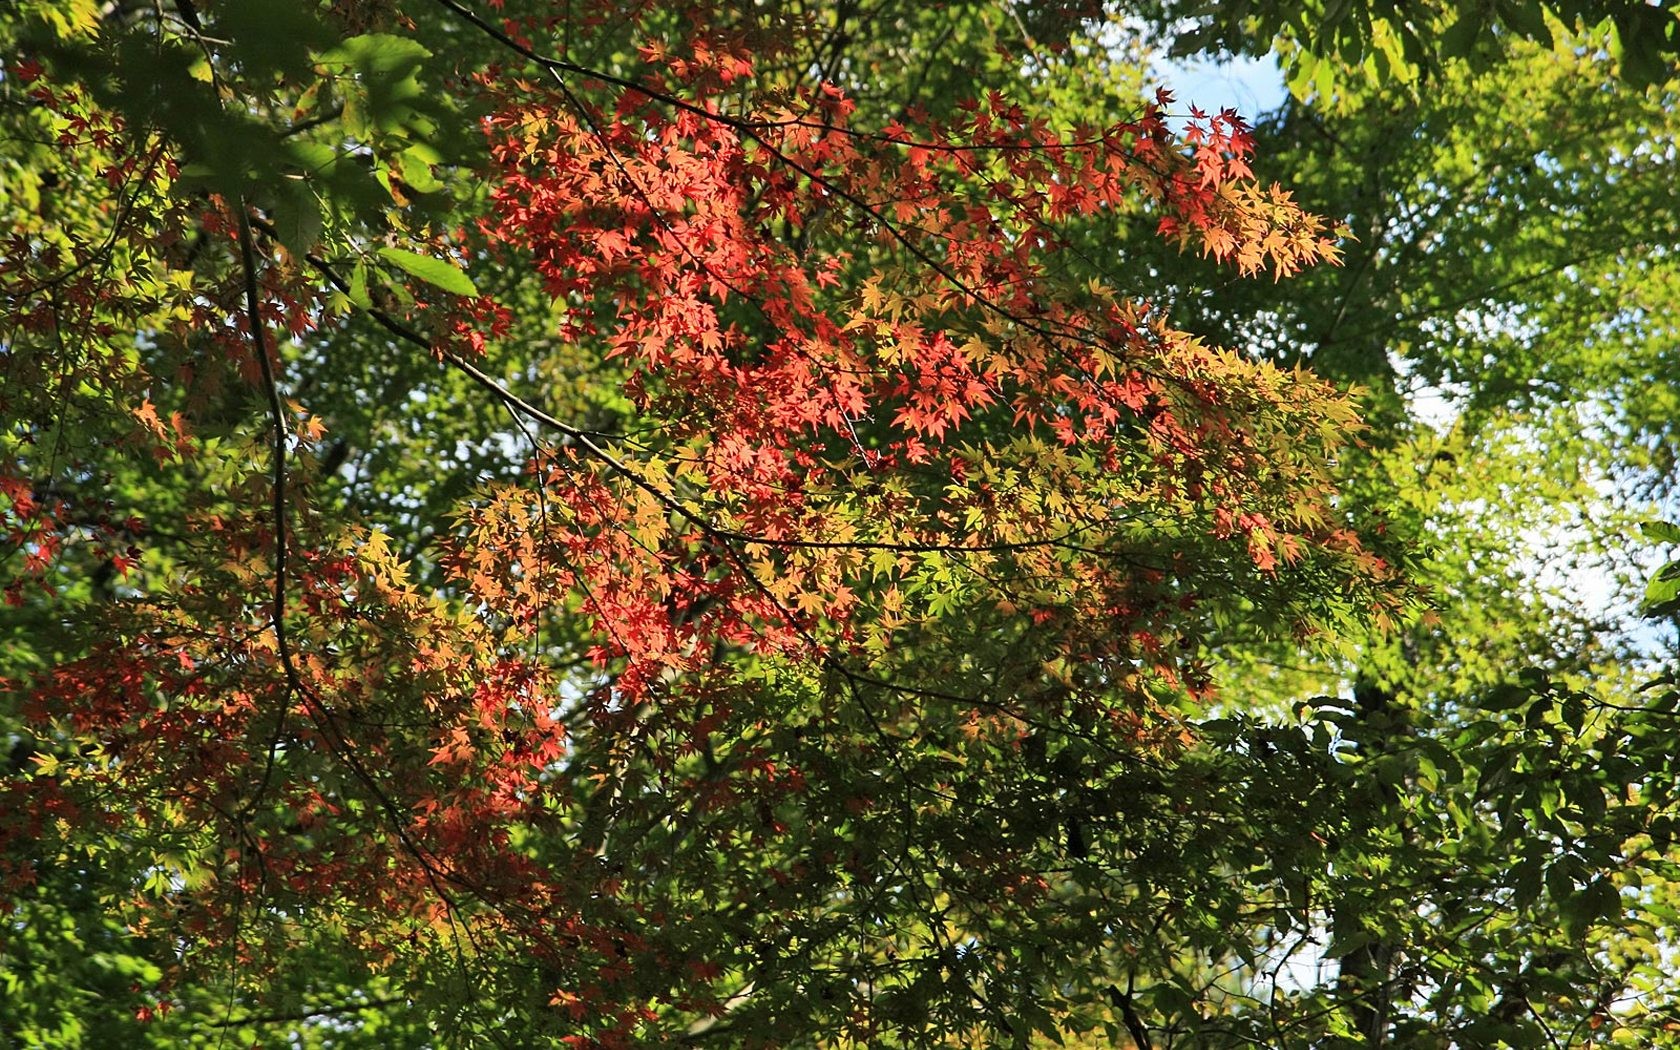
[(624, 529), (1328, 43), (878, 526), (1495, 304)]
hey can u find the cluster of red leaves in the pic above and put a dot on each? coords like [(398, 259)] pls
[(808, 312)]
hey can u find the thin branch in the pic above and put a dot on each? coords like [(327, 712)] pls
[(277, 488), (1128, 1013), (327, 116), (277, 419)]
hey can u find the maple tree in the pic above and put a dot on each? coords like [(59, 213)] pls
[(879, 532), (618, 529)]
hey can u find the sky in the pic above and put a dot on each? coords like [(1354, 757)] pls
[(1251, 86)]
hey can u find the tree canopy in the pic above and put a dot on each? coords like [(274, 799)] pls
[(827, 525)]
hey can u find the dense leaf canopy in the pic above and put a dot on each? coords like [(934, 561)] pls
[(782, 525)]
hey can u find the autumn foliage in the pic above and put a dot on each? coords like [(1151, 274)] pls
[(789, 699)]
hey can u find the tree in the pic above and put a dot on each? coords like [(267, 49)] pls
[(1511, 223), (800, 674), (623, 529)]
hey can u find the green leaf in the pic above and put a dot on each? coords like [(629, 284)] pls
[(1460, 38), (1041, 1021), (1660, 531), (359, 287), (1574, 714), (1170, 999), (1526, 880), (1525, 18), (271, 39), (1507, 695), (1642, 58), (1598, 901), (388, 69), (437, 272), (297, 218), (379, 54), (415, 166), (1348, 944), (1662, 590)]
